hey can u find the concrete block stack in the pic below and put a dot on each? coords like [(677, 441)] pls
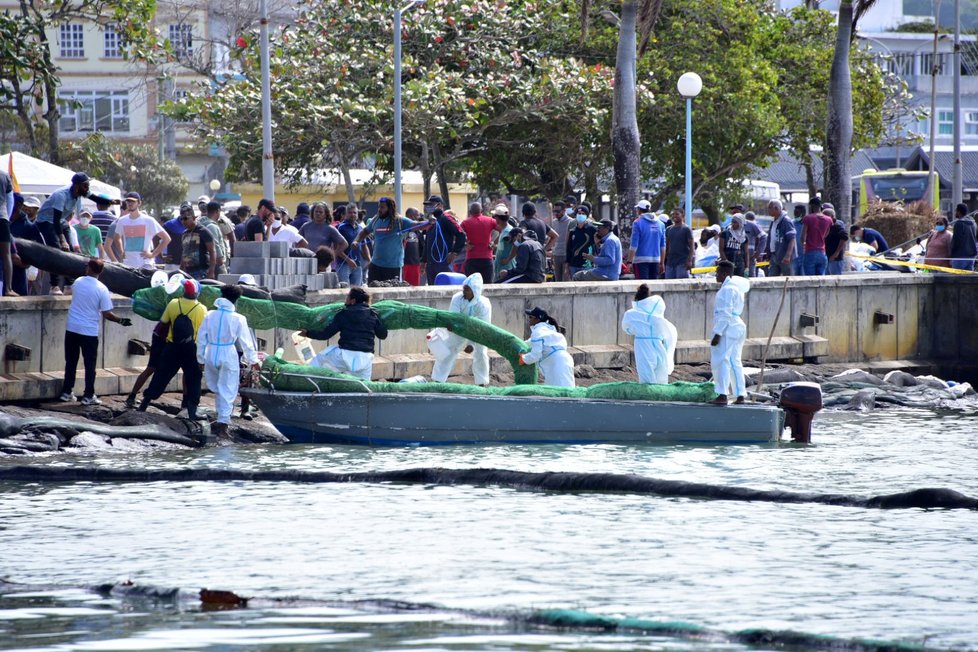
[(270, 264)]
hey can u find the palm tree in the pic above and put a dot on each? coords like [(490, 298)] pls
[(838, 132)]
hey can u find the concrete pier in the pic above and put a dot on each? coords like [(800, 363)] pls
[(853, 318)]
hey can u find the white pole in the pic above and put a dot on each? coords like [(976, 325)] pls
[(934, 178), (397, 108), (268, 159), (956, 188)]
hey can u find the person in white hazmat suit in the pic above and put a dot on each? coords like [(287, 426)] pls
[(467, 302), (729, 333), (655, 337), (220, 332), (548, 349)]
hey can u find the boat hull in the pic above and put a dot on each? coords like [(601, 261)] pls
[(418, 419)]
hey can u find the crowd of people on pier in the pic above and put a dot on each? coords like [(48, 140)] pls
[(433, 247)]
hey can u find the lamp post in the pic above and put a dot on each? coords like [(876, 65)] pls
[(689, 86), (398, 12)]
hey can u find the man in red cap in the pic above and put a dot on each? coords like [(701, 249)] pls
[(184, 316)]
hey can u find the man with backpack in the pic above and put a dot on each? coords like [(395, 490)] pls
[(184, 316)]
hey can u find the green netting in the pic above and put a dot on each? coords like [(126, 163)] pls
[(285, 376), (266, 314)]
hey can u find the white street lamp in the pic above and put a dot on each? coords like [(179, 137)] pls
[(398, 12), (689, 86), (214, 185)]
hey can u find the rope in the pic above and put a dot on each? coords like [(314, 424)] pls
[(439, 248)]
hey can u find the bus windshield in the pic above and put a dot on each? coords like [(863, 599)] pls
[(898, 187)]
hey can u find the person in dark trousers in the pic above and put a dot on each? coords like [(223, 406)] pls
[(358, 325), (184, 316), (90, 302), (964, 246), (443, 240), (531, 260), (581, 240)]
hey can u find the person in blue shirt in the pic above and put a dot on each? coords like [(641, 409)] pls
[(389, 231), (350, 268), (57, 207), (607, 264), (648, 245), (872, 237)]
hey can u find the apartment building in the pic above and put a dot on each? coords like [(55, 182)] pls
[(103, 92)]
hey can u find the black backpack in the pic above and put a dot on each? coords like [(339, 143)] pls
[(183, 329)]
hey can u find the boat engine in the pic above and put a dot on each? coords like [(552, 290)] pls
[(800, 402)]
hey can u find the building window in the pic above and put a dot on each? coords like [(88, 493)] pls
[(945, 123), (72, 40), (112, 43), (88, 111), (971, 123), (182, 40), (918, 8)]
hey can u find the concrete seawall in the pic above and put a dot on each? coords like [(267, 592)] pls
[(852, 318)]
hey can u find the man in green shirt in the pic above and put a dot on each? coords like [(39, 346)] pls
[(89, 237)]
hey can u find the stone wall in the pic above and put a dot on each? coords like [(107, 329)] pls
[(933, 318)]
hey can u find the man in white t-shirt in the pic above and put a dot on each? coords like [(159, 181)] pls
[(279, 231), (90, 302), (135, 232)]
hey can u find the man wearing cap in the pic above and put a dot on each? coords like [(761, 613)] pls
[(607, 264), (200, 257), (202, 202), (22, 226), (648, 245), (443, 240), (209, 220), (531, 259), (257, 224), (89, 237), (135, 233), (54, 215), (6, 240), (104, 220), (180, 352)]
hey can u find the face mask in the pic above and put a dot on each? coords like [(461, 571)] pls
[(581, 219), (276, 223), (939, 228), (569, 212), (84, 221), (438, 212), (857, 239)]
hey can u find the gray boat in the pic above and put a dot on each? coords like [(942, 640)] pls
[(433, 419)]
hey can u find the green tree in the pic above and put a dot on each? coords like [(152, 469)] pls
[(27, 63), (131, 167), (470, 68)]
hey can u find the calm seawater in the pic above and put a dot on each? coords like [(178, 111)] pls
[(902, 575)]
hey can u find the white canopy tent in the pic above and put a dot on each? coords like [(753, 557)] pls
[(37, 177)]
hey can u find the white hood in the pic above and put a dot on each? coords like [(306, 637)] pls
[(740, 283), (653, 305), (474, 282), (224, 304)]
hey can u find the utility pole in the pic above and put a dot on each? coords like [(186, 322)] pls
[(957, 183), (267, 158)]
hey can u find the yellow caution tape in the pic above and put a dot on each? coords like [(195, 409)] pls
[(707, 270), (889, 261)]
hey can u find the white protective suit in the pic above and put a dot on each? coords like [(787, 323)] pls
[(728, 372), (221, 329), (480, 308), (355, 363), (655, 339), (549, 351)]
